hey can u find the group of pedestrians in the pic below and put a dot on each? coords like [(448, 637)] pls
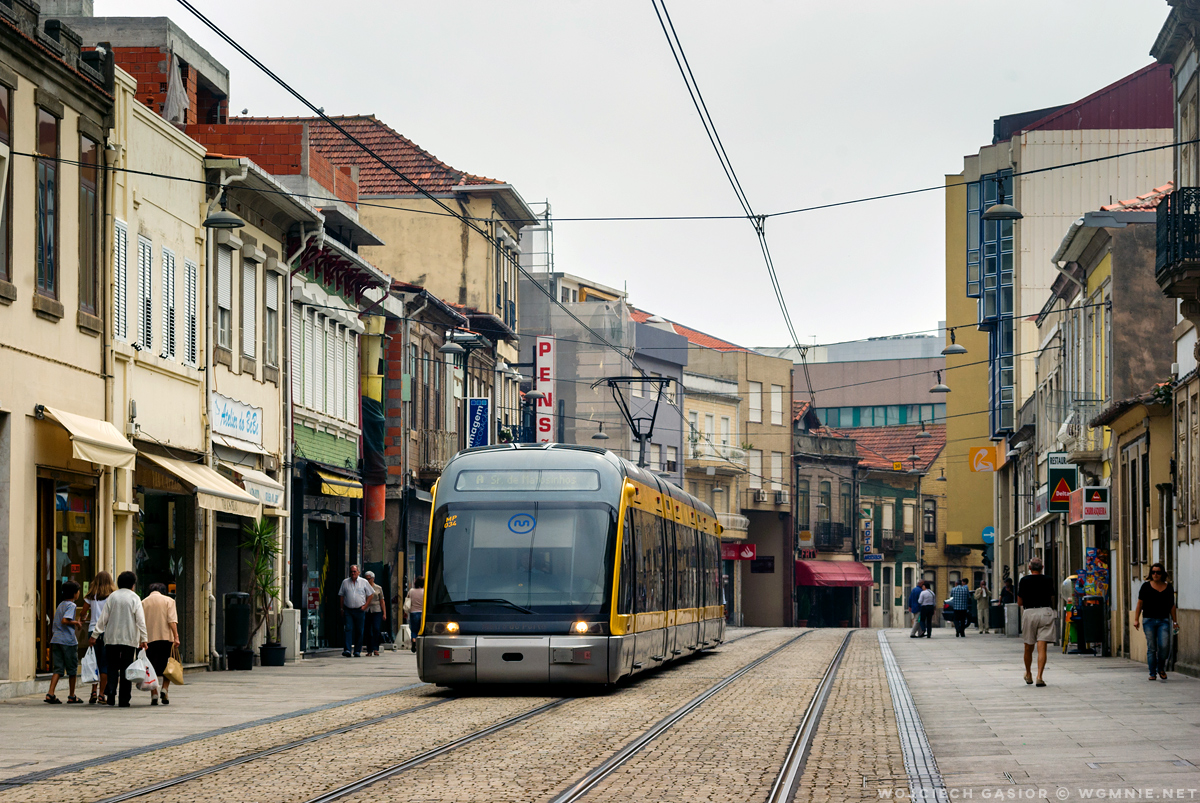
[(963, 602), (120, 623)]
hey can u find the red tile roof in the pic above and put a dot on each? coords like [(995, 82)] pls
[(425, 169), (694, 336), (880, 447), (1143, 203)]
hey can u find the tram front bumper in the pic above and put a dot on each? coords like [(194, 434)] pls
[(513, 659)]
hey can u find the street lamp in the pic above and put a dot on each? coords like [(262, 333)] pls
[(953, 349), (601, 435), (1001, 210), (458, 347), (939, 387), (223, 219)]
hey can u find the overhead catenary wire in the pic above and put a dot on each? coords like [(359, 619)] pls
[(320, 112)]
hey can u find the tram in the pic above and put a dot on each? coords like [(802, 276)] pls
[(552, 563)]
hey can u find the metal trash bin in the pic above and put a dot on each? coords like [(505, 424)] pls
[(996, 615), (237, 619), (1092, 619)]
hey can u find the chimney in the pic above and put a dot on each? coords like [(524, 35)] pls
[(67, 39), (67, 8)]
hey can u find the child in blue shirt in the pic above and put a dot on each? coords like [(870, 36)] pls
[(64, 643)]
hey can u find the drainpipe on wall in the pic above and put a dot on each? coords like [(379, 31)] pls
[(305, 239), (210, 520), (108, 487)]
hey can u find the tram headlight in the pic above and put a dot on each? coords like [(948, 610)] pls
[(584, 628), (452, 627), (443, 628), (579, 628)]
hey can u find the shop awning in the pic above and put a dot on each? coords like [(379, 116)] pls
[(237, 443), (333, 485), (93, 440), (833, 574), (213, 492), (258, 484)]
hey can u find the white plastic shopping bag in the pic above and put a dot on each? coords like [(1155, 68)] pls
[(405, 636), (142, 673), (88, 671)]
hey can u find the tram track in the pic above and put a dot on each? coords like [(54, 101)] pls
[(397, 768)]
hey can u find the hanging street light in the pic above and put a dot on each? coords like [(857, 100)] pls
[(939, 387), (601, 435), (223, 219), (953, 349)]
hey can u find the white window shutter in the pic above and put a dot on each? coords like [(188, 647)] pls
[(338, 387), (191, 331), (351, 362), (249, 307), (309, 363), (224, 277), (319, 373), (330, 372), (145, 293), (121, 281), (168, 304), (271, 292), (297, 361)]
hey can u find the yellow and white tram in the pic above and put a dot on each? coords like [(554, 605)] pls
[(556, 563)]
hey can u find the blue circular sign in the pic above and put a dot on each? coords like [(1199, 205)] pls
[(522, 523), (989, 534)]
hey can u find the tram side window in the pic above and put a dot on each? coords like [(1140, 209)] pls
[(650, 563), (628, 569), (670, 565), (701, 570), (691, 562)]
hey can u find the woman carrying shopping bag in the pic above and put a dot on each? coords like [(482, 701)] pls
[(102, 586), (162, 628)]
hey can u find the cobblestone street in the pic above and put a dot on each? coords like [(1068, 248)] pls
[(307, 730)]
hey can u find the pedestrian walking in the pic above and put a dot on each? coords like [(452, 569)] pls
[(162, 631), (376, 616), (414, 604), (983, 602), (353, 597), (1156, 610), (64, 643), (102, 586), (961, 603), (122, 624), (914, 606), (927, 601), (1035, 595)]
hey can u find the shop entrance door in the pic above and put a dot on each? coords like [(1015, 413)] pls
[(889, 595), (66, 527)]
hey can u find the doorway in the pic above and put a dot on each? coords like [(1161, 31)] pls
[(889, 595), (66, 526)]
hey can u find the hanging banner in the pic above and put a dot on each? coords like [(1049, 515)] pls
[(479, 420), (543, 420), (1063, 478)]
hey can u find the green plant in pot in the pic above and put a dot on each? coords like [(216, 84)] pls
[(261, 544)]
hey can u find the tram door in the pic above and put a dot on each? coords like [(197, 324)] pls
[(671, 586)]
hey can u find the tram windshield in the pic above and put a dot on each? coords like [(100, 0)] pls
[(539, 558)]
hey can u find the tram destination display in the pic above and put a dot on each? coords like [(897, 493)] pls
[(546, 479)]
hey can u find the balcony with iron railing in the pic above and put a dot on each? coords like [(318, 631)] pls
[(1177, 251), (887, 540), (734, 523), (719, 455), (1083, 442), (830, 536), (434, 449)]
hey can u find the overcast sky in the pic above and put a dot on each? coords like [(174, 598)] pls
[(582, 104)]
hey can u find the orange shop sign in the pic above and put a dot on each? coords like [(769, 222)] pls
[(984, 458)]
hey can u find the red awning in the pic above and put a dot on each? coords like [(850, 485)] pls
[(833, 573)]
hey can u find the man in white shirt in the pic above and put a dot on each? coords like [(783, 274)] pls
[(354, 596), (927, 601), (123, 625)]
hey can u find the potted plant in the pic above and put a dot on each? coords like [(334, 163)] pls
[(504, 435), (263, 587), (805, 607)]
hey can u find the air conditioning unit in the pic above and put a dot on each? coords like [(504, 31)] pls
[(760, 495), (781, 497)]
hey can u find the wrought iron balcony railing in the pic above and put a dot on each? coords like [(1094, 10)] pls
[(733, 521), (702, 450), (1177, 252), (436, 449)]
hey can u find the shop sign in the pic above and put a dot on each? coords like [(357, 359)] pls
[(543, 421), (983, 458), (1062, 478), (808, 554), (1089, 503), (805, 540), (867, 526), (873, 556), (479, 420), (314, 598), (737, 551), (1040, 501), (236, 419)]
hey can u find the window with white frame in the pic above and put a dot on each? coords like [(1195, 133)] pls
[(249, 308), (224, 297), (331, 373), (910, 520), (120, 281), (337, 386), (755, 402), (672, 459), (726, 431), (271, 319), (145, 297), (777, 404), (655, 457), (693, 423), (191, 327), (709, 427), (756, 468), (352, 377), (776, 471), (168, 304)]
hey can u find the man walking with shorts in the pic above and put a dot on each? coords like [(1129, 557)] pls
[(1035, 595)]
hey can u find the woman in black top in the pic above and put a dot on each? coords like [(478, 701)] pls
[(1156, 609)]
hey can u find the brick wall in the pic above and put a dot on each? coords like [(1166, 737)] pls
[(345, 187), (149, 66), (275, 147), (325, 448)]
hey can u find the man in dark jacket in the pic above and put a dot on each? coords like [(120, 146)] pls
[(914, 606)]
